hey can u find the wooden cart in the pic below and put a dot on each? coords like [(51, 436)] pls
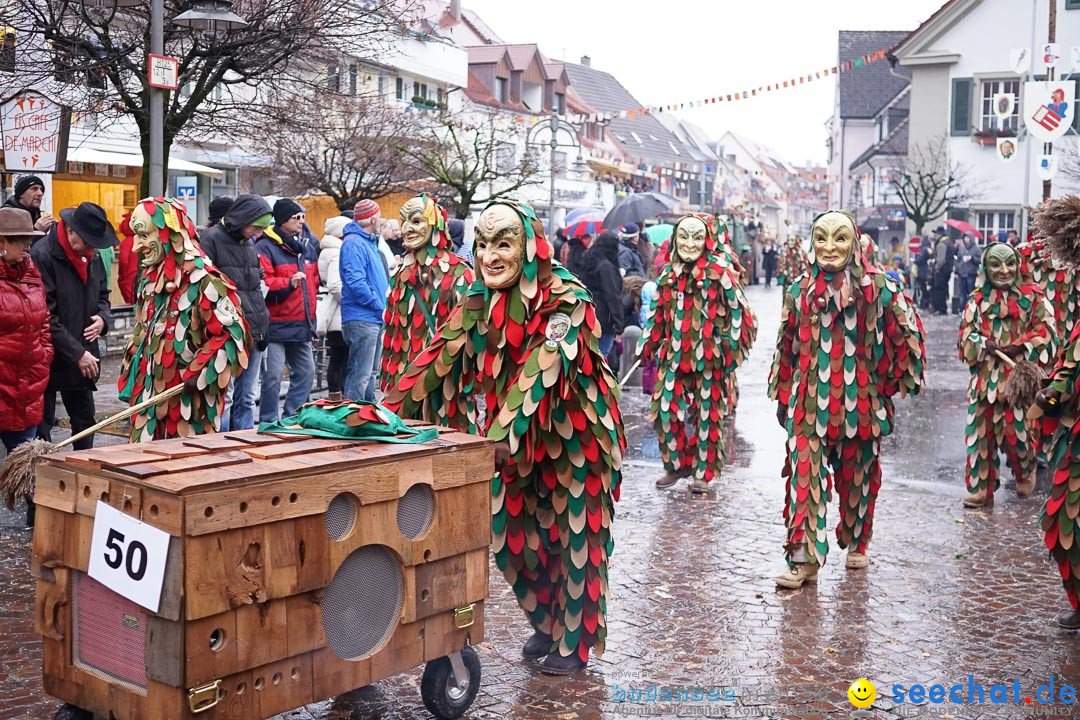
[(297, 569)]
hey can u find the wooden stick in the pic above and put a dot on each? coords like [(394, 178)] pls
[(1008, 360), (124, 414), (635, 366)]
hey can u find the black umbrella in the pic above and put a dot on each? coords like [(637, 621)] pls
[(638, 208)]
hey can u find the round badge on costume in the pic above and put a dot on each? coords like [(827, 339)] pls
[(558, 326)]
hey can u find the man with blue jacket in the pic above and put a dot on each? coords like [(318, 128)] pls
[(290, 265), (364, 282)]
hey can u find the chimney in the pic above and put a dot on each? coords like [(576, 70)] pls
[(586, 61), (455, 9)]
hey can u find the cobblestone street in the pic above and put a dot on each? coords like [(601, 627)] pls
[(949, 592)]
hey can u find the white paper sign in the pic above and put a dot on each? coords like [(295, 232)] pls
[(1006, 148), (1004, 104), (1020, 61), (1051, 54), (1047, 167), (128, 556)]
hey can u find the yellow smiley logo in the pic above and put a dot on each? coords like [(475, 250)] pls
[(862, 693)]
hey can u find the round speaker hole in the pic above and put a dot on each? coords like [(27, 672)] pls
[(415, 510), (340, 516)]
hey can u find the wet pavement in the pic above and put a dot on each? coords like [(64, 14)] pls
[(693, 609)]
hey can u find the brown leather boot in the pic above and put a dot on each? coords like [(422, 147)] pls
[(857, 560), (671, 478), (334, 397), (700, 486)]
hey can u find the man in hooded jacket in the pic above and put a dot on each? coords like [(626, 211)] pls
[(290, 266), (230, 245)]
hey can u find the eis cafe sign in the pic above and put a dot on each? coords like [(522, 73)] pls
[(34, 133)]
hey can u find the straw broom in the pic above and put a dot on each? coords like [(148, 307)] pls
[(1023, 383), (17, 476)]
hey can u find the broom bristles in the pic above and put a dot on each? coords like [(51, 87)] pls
[(1023, 384), (17, 475), (1058, 222)]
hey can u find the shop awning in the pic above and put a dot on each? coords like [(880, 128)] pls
[(89, 155)]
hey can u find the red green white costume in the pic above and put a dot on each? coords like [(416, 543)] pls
[(530, 351), (187, 325)]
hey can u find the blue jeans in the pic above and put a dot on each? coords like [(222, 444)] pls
[(607, 340), (240, 415), (301, 377), (967, 286), (363, 340), (14, 438)]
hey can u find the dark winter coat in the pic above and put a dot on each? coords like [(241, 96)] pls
[(26, 350), (629, 260), (605, 283), (768, 259), (968, 259), (71, 305), (943, 258), (235, 256), (35, 212), (292, 309)]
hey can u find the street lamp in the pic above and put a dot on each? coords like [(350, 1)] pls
[(555, 124), (209, 17)]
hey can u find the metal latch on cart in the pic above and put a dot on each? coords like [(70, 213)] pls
[(465, 616), (201, 699)]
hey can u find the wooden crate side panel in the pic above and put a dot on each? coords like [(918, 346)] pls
[(48, 551), (447, 584), (404, 651), (54, 486), (334, 676), (165, 651), (90, 489), (442, 636), (307, 494)]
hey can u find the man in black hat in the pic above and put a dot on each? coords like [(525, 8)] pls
[(29, 190), (79, 311)]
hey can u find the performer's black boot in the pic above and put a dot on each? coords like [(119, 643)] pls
[(1070, 621), (538, 646), (556, 664)]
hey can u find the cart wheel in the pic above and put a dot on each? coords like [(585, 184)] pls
[(70, 712), (444, 693)]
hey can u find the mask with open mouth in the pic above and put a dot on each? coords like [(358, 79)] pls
[(500, 246)]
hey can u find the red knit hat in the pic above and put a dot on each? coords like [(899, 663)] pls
[(365, 209)]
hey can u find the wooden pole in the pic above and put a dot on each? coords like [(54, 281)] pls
[(1051, 36)]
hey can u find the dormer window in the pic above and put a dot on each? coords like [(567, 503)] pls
[(501, 89)]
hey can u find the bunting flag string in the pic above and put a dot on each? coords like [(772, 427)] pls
[(794, 81)]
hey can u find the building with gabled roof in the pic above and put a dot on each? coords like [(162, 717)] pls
[(860, 95)]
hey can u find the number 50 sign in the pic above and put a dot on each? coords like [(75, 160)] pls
[(128, 556)]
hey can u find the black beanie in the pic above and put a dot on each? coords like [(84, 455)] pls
[(285, 208), (218, 207), (25, 183)]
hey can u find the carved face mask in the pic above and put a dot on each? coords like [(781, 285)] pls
[(1001, 265), (690, 239), (500, 246), (834, 241), (147, 243), (415, 228)]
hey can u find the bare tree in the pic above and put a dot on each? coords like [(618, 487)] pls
[(91, 59), (349, 150), (929, 182), (474, 158)]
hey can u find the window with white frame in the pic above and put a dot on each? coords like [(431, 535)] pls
[(992, 222), (988, 119)]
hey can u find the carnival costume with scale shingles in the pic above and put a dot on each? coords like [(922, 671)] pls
[(1059, 283), (1058, 222), (700, 329), (1012, 314), (849, 340), (187, 327), (424, 290), (792, 262), (528, 345)]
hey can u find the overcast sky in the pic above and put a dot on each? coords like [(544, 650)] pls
[(679, 50)]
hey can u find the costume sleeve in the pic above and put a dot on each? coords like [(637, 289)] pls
[(1063, 377), (225, 335), (905, 354), (437, 387), (740, 326), (1040, 339), (971, 343), (783, 364)]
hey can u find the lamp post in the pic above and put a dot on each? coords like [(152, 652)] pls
[(208, 17), (555, 124)]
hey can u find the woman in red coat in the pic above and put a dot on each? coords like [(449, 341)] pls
[(26, 350)]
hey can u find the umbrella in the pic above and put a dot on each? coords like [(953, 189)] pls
[(578, 214), (657, 234), (638, 208), (585, 227), (964, 227)]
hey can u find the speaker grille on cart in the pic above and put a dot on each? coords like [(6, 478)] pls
[(415, 510), (109, 638), (362, 604), (340, 516)]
